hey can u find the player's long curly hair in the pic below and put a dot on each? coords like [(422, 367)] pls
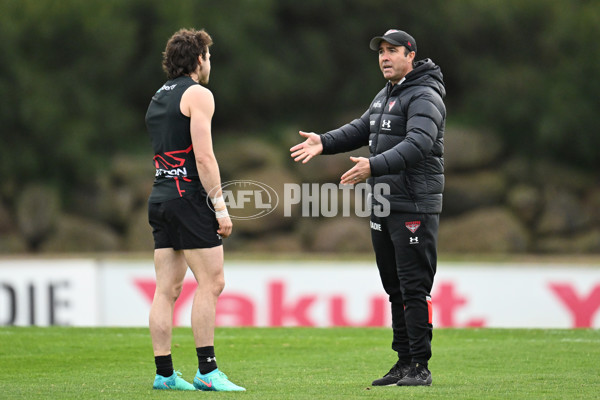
[(183, 48)]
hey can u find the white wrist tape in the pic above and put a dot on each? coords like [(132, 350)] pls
[(219, 206), (218, 202), (222, 214)]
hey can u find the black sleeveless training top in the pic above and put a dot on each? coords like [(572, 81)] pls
[(176, 172)]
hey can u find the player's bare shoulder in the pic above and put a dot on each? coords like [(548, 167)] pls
[(197, 97)]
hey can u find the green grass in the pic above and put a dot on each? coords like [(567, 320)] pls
[(301, 363)]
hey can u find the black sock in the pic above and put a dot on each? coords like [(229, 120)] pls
[(207, 362), (164, 365)]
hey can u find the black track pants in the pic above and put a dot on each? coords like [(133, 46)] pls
[(406, 253)]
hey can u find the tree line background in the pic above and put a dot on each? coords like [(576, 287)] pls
[(76, 78)]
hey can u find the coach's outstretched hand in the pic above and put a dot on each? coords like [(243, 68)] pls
[(306, 150)]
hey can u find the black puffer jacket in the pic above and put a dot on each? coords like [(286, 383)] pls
[(404, 128)]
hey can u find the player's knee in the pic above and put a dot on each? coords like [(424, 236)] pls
[(176, 291), (213, 284), (218, 286), (170, 293)]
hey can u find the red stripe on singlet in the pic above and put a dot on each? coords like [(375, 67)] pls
[(181, 192)]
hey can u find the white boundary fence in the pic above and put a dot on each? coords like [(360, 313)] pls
[(118, 293)]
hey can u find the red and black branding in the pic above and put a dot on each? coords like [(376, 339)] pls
[(413, 225), (172, 165)]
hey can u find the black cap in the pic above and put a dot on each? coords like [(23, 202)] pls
[(395, 37)]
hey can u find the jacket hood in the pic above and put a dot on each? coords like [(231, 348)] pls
[(426, 73)]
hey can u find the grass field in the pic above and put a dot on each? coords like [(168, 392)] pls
[(301, 363)]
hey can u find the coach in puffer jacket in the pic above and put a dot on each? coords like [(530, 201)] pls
[(404, 128)]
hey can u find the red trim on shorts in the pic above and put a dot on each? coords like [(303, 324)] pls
[(430, 309)]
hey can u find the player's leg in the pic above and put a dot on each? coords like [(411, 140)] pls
[(207, 266), (170, 268), (415, 239), (386, 264)]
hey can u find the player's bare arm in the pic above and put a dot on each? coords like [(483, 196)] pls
[(198, 103), (306, 150)]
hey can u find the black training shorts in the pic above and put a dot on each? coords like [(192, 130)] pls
[(184, 223)]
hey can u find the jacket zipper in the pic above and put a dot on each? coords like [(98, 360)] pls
[(376, 140), (406, 182)]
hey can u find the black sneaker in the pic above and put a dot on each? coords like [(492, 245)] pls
[(391, 378), (418, 375)]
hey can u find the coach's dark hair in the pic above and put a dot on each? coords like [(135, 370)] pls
[(407, 52), (183, 48)]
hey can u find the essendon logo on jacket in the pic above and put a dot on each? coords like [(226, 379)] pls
[(413, 225)]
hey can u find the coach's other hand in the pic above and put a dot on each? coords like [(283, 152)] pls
[(360, 171), (306, 150)]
